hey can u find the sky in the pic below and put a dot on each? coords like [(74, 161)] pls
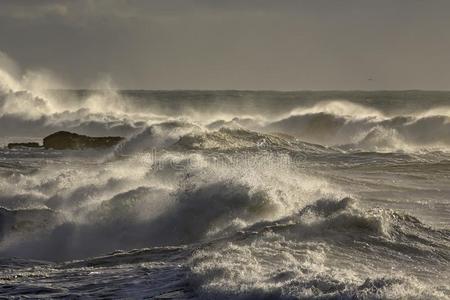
[(217, 44)]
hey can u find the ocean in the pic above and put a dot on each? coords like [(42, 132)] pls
[(227, 195)]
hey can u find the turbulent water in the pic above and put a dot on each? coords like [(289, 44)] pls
[(227, 194)]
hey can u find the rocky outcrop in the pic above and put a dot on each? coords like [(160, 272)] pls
[(23, 145), (63, 140)]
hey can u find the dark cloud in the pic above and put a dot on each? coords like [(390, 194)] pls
[(187, 44)]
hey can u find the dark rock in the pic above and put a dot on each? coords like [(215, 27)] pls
[(66, 140), (21, 145)]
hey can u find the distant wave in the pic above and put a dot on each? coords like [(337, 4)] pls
[(22, 114), (407, 133), (26, 112)]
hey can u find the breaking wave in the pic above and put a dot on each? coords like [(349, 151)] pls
[(143, 200), (368, 132), (289, 258)]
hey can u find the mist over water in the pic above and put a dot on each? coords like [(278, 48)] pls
[(226, 194)]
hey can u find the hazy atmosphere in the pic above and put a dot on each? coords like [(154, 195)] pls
[(264, 45), (225, 149)]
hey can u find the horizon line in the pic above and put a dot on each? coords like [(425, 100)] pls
[(249, 90)]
